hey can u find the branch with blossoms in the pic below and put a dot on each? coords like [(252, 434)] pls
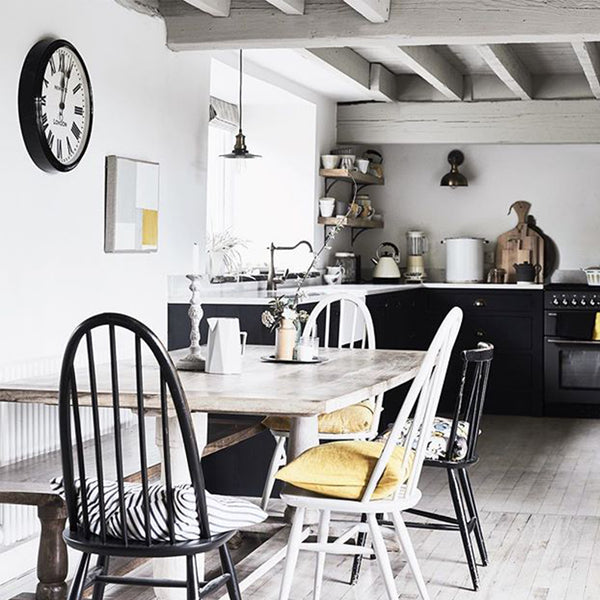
[(285, 307)]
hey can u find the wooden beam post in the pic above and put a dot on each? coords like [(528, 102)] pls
[(382, 83), (215, 8), (589, 59), (509, 69), (289, 7), (434, 69), (376, 11)]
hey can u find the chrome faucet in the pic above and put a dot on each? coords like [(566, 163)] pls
[(272, 280)]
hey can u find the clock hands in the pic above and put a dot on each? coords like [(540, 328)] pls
[(66, 75)]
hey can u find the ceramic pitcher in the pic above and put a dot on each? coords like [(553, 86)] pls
[(225, 347)]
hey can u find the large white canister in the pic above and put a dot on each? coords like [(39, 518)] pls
[(464, 259)]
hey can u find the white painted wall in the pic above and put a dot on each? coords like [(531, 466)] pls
[(561, 182), (149, 103)]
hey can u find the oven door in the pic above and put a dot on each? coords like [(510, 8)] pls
[(572, 371)]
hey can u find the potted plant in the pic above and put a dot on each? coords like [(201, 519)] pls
[(224, 256)]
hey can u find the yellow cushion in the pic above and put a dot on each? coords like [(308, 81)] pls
[(352, 419), (342, 470)]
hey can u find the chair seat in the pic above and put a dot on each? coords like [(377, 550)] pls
[(294, 496), (225, 513), (357, 418), (437, 445), (115, 547)]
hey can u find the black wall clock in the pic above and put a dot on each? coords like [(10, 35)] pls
[(55, 105)]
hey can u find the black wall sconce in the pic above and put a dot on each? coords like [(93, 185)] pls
[(454, 178)]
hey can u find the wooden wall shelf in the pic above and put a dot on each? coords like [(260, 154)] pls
[(354, 223), (356, 176)]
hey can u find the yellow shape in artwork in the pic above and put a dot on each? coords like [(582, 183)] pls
[(149, 227)]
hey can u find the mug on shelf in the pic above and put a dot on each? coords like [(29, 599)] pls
[(327, 207), (363, 165), (347, 161), (367, 208)]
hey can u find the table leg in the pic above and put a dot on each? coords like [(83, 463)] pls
[(304, 434), (52, 563), (175, 568)]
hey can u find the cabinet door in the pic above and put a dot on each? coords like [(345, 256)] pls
[(512, 322)]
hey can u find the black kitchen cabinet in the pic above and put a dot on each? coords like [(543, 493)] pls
[(397, 319), (249, 316), (510, 320)]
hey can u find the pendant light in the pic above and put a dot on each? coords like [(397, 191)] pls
[(454, 178), (240, 150)]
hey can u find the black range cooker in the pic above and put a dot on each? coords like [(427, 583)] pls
[(572, 349)]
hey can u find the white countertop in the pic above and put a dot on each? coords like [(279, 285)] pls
[(251, 294)]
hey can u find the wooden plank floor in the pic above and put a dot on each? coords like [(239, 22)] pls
[(538, 490)]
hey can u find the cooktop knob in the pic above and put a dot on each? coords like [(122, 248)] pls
[(574, 301), (583, 302), (565, 302), (555, 301), (592, 302)]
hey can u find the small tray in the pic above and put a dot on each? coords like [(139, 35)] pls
[(272, 358)]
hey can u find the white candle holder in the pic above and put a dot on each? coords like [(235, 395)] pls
[(194, 361)]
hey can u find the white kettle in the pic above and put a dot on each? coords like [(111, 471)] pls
[(386, 265), (225, 347)]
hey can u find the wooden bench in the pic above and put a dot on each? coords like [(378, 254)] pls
[(26, 483)]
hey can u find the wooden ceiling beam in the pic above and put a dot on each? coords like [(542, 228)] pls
[(547, 122), (589, 59), (509, 69), (289, 7), (434, 69), (376, 80), (376, 11), (334, 23), (215, 8)]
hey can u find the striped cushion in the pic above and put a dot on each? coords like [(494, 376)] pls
[(225, 513)]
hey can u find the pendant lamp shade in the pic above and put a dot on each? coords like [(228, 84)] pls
[(239, 149)]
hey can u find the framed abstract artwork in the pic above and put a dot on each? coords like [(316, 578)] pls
[(131, 205)]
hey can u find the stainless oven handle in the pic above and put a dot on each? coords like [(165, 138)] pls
[(574, 342)]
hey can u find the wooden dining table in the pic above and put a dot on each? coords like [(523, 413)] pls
[(299, 391)]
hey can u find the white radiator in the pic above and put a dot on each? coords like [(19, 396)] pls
[(29, 430)]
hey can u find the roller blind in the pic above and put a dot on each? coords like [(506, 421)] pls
[(224, 114)]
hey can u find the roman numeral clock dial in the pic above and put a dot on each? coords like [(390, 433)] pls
[(55, 105)]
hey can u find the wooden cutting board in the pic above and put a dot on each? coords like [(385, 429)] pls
[(520, 244)]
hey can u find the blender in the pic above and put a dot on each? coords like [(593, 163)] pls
[(417, 245)]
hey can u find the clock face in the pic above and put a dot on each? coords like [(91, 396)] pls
[(55, 105), (64, 107)]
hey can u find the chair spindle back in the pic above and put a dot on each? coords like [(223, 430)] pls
[(423, 397), (73, 396)]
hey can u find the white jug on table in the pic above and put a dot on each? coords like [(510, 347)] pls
[(226, 345)]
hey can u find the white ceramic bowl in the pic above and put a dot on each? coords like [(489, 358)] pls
[(330, 161)]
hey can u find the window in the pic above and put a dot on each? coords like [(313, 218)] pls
[(268, 199)]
